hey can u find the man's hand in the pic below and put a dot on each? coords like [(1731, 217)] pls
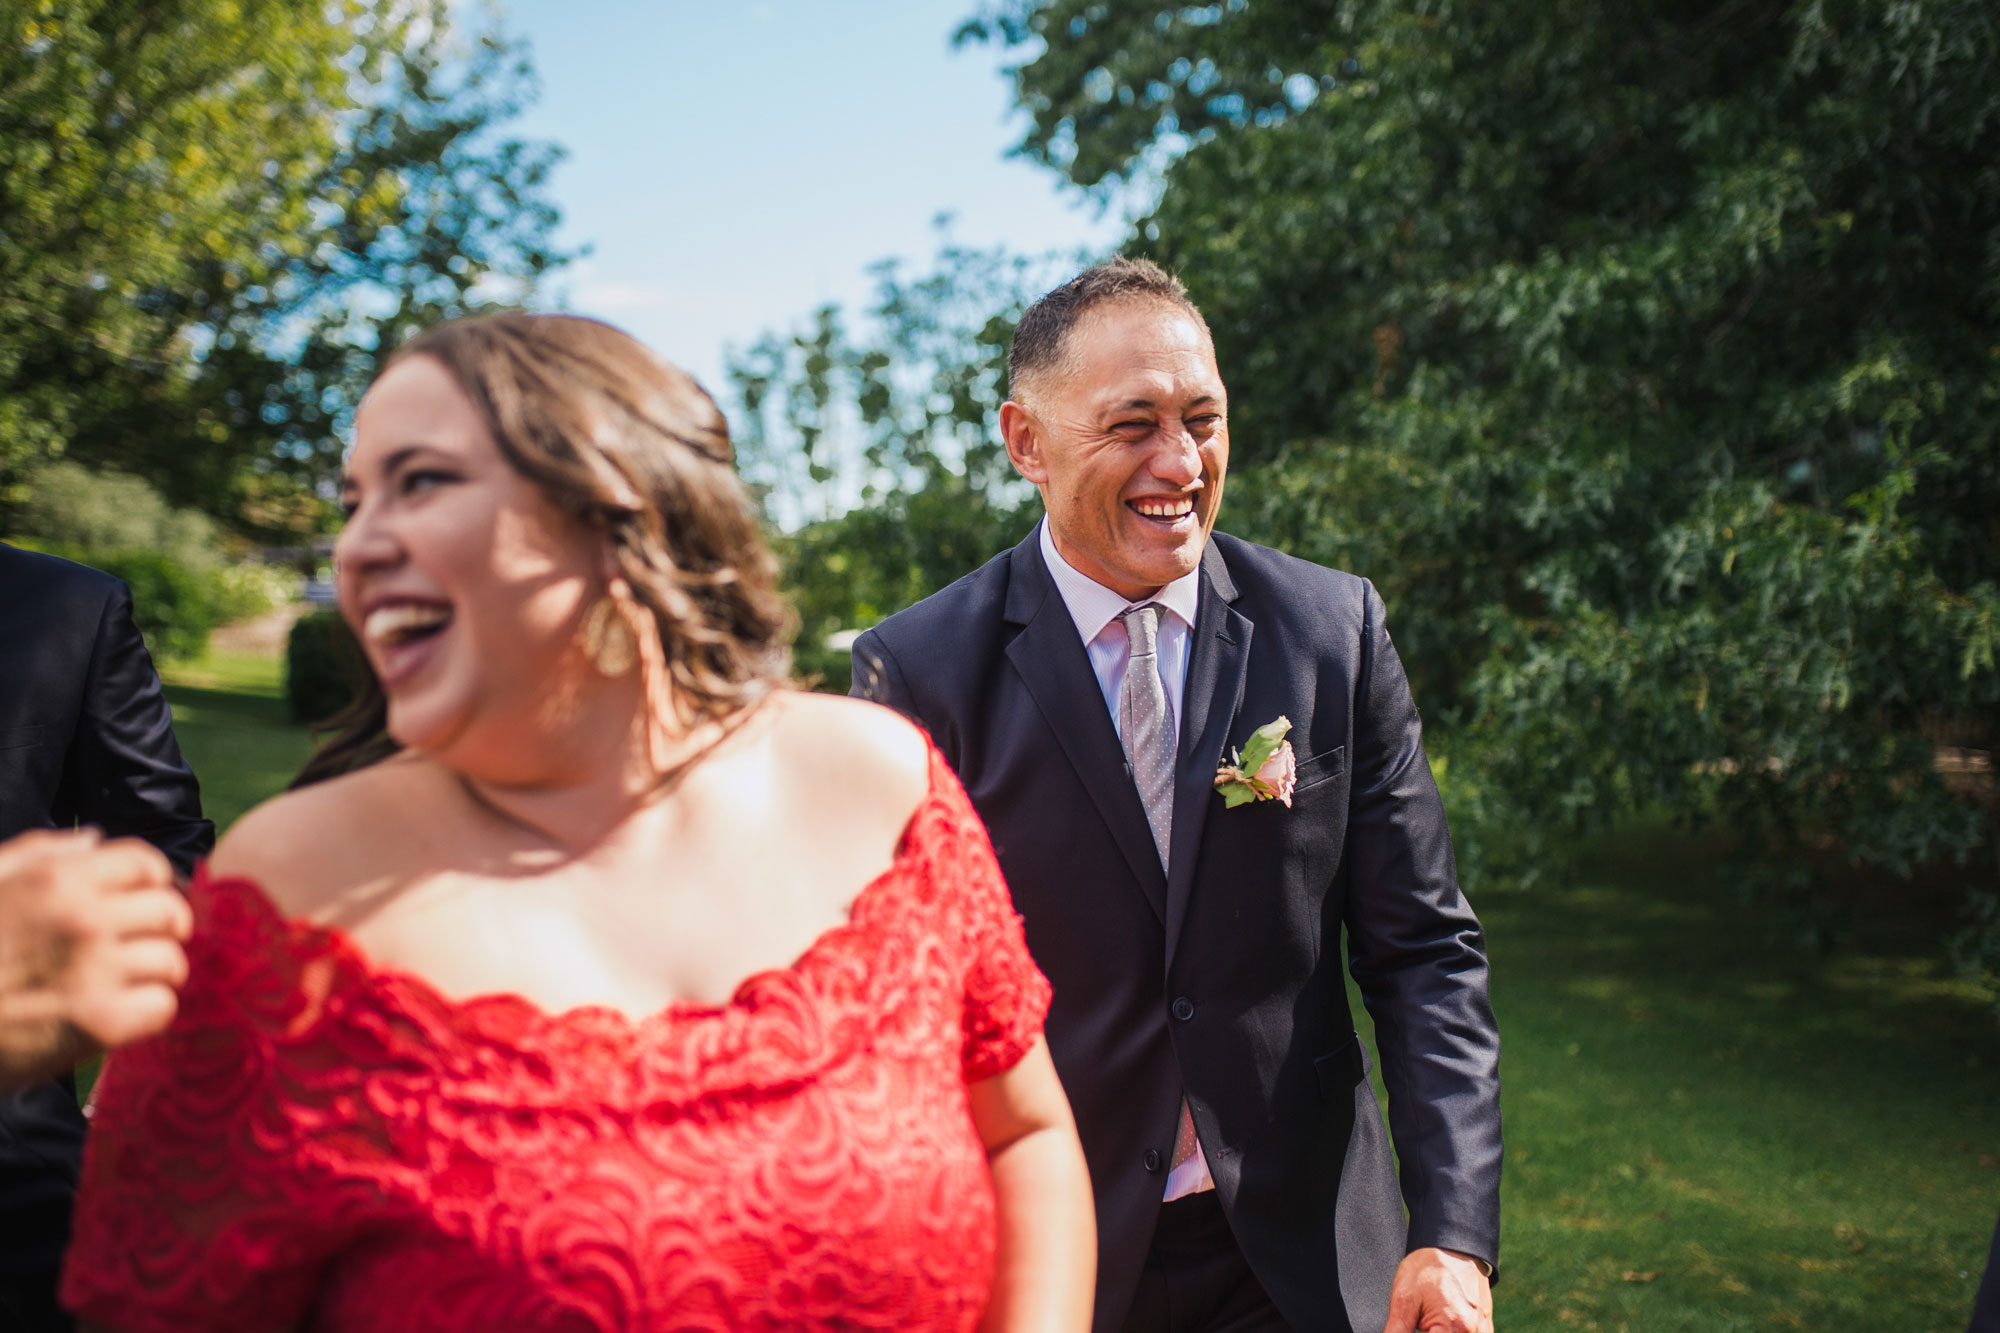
[(90, 948), (1440, 1291)]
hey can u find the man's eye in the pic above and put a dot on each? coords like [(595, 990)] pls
[(1204, 425)]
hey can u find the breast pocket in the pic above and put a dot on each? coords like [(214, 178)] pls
[(1322, 767)]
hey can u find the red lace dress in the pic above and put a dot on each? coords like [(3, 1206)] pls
[(321, 1143)]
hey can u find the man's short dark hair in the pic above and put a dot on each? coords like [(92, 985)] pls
[(1041, 339)]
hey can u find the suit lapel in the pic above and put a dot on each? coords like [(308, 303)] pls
[(1052, 663), (1218, 661)]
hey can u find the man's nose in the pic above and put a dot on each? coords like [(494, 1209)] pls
[(1177, 459)]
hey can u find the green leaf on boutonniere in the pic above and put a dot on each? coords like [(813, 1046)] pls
[(1236, 793), (1263, 743)]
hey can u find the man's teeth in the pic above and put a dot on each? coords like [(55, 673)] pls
[(1164, 508), (393, 624)]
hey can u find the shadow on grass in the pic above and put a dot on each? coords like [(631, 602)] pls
[(261, 709), (243, 747)]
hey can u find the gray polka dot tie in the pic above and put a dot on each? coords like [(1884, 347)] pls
[(1147, 730), (1144, 724)]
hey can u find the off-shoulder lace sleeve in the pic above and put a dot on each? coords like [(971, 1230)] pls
[(1006, 995), (200, 1206)]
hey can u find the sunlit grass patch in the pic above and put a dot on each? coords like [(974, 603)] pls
[(233, 728), (259, 674)]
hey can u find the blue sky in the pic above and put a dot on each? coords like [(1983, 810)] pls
[(733, 164)]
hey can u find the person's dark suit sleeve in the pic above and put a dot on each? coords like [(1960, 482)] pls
[(1986, 1305), (1417, 952), (878, 678), (130, 778)]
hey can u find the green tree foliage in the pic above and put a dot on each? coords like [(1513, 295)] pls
[(877, 448), (1647, 355), (214, 212)]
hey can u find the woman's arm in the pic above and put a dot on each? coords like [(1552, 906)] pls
[(1046, 1273)]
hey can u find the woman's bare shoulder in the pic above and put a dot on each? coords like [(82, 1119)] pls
[(854, 752), (306, 846)]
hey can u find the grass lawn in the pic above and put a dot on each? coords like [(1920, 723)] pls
[(230, 718), (1708, 1129)]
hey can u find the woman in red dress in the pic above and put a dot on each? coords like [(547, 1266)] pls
[(632, 990)]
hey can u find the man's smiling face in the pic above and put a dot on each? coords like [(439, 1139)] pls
[(1128, 441)]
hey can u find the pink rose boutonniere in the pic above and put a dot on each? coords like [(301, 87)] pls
[(1265, 771)]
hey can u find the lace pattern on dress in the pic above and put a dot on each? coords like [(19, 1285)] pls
[(317, 1139)]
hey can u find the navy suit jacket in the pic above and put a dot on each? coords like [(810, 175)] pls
[(1223, 974), (85, 738)]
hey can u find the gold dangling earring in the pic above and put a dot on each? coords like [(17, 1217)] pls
[(608, 640)]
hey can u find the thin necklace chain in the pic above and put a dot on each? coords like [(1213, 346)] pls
[(663, 781)]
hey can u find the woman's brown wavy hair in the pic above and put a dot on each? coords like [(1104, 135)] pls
[(629, 445)]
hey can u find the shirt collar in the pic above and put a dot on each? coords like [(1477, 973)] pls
[(1093, 606)]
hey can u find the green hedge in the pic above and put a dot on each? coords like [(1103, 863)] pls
[(173, 606), (828, 670), (184, 580), (176, 604), (323, 667)]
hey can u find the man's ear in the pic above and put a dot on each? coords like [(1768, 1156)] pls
[(1023, 435)]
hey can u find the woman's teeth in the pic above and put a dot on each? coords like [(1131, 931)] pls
[(391, 625)]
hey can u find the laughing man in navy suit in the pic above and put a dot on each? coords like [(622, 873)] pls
[(1086, 686)]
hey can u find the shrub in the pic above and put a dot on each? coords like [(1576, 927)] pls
[(828, 670), (323, 667), (247, 589), (75, 507), (171, 604), (183, 582)]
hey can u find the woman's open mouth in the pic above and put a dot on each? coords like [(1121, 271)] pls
[(400, 636)]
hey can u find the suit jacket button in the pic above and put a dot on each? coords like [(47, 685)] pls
[(1153, 1160), (1183, 1008)]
